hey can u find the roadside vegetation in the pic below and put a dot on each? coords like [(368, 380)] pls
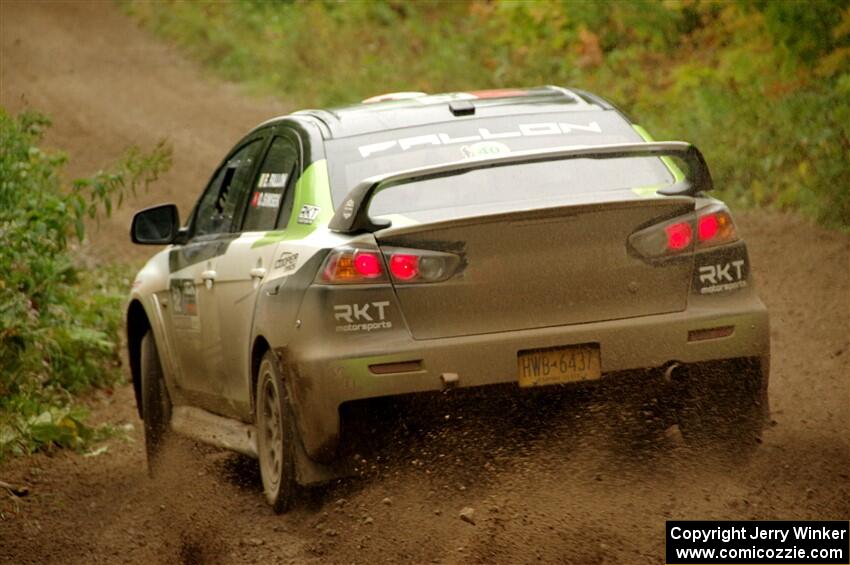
[(60, 320), (762, 87)]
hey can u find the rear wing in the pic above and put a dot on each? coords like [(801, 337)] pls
[(353, 215)]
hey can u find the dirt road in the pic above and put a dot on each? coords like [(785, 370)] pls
[(559, 488), (107, 85)]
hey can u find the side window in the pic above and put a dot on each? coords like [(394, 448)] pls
[(269, 193), (220, 202)]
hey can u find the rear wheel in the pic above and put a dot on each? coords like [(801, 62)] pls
[(276, 436), (721, 406), (156, 406)]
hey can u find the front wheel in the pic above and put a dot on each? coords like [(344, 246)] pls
[(276, 436), (156, 405)]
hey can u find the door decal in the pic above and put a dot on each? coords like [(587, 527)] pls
[(183, 297)]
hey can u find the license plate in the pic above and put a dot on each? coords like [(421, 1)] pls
[(559, 365)]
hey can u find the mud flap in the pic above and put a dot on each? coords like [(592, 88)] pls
[(309, 472)]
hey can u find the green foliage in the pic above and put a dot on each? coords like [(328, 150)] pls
[(763, 87), (59, 324)]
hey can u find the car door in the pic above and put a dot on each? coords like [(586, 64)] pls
[(193, 316), (248, 259)]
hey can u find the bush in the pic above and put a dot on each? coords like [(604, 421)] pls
[(762, 87), (59, 325)]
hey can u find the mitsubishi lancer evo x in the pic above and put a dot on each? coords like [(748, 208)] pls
[(523, 238)]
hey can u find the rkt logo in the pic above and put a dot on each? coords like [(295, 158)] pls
[(359, 312), (362, 317), (722, 277), (719, 274)]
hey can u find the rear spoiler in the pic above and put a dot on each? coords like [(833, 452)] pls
[(353, 215)]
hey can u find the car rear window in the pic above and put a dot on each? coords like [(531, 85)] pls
[(530, 185), (354, 159)]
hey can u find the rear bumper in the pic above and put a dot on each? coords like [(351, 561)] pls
[(326, 373)]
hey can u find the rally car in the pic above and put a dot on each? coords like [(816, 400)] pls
[(411, 243)]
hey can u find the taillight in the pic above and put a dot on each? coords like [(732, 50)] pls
[(420, 265), (351, 265), (368, 264), (708, 227), (716, 228), (679, 236), (404, 267)]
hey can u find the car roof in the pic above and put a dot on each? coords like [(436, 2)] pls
[(411, 109)]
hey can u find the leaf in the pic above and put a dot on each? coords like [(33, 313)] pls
[(97, 452)]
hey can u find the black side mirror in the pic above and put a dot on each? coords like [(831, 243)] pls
[(158, 225)]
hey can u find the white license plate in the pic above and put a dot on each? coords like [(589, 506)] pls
[(559, 365)]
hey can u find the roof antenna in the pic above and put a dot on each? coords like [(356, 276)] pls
[(462, 108)]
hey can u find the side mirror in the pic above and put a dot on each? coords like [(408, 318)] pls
[(158, 225)]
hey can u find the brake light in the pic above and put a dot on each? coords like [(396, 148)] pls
[(404, 267), (420, 265), (354, 265), (679, 236), (367, 264), (350, 265), (707, 227), (716, 228), (710, 226)]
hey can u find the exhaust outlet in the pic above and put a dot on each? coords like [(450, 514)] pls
[(674, 371), (449, 380)]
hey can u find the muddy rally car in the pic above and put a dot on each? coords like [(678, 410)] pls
[(412, 243)]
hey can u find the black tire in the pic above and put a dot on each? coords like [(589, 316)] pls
[(276, 436), (156, 405), (722, 406)]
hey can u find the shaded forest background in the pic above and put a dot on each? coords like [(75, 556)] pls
[(763, 87)]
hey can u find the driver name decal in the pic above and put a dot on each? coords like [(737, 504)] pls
[(482, 134)]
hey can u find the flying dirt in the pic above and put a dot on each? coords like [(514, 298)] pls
[(469, 478)]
